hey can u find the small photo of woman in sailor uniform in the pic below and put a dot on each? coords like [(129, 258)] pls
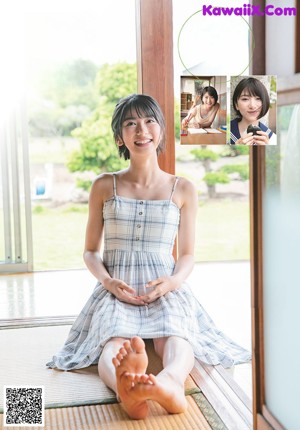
[(252, 112)]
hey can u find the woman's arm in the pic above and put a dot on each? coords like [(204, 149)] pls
[(94, 230), (100, 192), (186, 232), (189, 116), (186, 243)]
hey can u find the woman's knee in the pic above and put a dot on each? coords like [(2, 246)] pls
[(175, 341), (159, 345), (112, 346)]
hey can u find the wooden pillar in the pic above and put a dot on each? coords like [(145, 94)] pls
[(297, 41), (257, 180), (258, 66), (155, 65)]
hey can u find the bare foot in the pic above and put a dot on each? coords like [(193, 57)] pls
[(131, 360), (169, 393), (163, 389)]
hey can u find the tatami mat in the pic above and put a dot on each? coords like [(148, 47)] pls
[(25, 351), (112, 417)]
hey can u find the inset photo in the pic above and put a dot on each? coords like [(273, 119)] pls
[(253, 110), (203, 110)]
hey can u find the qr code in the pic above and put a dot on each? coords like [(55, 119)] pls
[(24, 406)]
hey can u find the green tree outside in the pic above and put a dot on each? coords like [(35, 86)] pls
[(66, 97), (98, 151)]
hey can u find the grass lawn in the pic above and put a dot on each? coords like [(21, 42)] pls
[(222, 234), (51, 150), (58, 237), (223, 231)]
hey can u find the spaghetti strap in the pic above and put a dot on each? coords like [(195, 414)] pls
[(114, 184), (174, 186)]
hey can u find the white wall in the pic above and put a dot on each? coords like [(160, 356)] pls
[(280, 41)]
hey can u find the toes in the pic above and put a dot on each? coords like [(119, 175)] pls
[(127, 346), (138, 344), (119, 357), (129, 376), (115, 362), (152, 379), (121, 354), (137, 378), (129, 380), (141, 379), (123, 351), (145, 379)]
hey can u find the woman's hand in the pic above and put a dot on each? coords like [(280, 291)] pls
[(162, 286), (184, 122), (261, 138), (247, 139), (122, 291)]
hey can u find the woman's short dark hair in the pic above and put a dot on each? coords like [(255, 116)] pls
[(255, 88), (211, 91), (144, 106)]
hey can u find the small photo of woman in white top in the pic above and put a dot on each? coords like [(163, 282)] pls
[(203, 114)]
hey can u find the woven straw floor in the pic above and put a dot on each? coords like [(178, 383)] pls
[(79, 399)]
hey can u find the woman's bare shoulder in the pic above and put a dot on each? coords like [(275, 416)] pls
[(103, 186), (194, 110), (103, 180), (186, 191), (186, 185)]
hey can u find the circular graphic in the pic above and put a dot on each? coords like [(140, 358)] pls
[(184, 24)]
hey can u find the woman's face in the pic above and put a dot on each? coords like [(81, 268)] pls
[(140, 135), (208, 100), (249, 106)]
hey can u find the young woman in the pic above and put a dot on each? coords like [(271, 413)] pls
[(141, 291), (251, 102), (203, 115)]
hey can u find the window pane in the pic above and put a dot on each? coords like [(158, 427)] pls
[(282, 272), (197, 53), (76, 70)]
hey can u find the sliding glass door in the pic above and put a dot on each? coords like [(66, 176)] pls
[(65, 70)]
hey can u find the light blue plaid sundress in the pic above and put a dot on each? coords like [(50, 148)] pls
[(138, 242)]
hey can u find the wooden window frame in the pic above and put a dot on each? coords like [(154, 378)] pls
[(297, 40), (258, 24), (155, 65), (262, 418), (154, 35)]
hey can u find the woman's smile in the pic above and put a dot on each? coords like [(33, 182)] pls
[(143, 142), (254, 112)]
